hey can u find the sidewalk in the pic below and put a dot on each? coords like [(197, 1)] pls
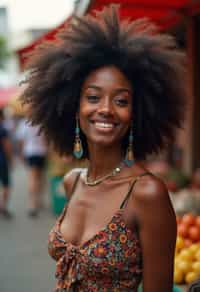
[(25, 265)]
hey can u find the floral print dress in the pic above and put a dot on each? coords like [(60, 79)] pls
[(110, 261)]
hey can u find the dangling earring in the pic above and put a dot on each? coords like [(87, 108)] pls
[(78, 148), (129, 159)]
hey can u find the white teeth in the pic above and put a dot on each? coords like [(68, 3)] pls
[(104, 125)]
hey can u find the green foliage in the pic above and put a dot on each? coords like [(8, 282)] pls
[(4, 53)]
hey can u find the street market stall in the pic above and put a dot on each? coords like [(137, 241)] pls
[(165, 13)]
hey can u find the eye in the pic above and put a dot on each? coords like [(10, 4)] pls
[(92, 98), (121, 101)]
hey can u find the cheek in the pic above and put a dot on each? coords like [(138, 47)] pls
[(126, 116), (84, 114), (85, 108)]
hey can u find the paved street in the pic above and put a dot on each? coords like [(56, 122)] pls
[(25, 265)]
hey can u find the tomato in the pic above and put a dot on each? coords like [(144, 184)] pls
[(188, 219), (194, 233), (183, 230), (197, 221), (178, 220)]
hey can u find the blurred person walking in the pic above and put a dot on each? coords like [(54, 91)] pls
[(34, 153), (5, 163)]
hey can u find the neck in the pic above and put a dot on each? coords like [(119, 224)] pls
[(103, 160)]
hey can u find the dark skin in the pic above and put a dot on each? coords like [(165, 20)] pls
[(107, 97)]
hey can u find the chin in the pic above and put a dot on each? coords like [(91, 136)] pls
[(104, 141)]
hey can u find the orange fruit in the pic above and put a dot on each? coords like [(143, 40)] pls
[(180, 243), (194, 248), (178, 276), (186, 255), (190, 277), (197, 255), (196, 267), (184, 266)]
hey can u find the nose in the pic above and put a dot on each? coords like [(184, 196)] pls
[(105, 107)]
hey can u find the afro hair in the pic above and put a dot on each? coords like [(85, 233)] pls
[(149, 59)]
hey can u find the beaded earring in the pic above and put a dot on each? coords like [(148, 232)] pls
[(78, 148), (129, 159)]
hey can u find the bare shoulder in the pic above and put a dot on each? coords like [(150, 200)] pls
[(150, 188), (70, 179), (151, 200)]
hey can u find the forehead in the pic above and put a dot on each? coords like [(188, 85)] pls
[(109, 77)]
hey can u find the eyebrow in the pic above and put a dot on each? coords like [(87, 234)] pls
[(118, 90), (93, 87)]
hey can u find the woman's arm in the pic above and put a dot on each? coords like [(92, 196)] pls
[(157, 230)]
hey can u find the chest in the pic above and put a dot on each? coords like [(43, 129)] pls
[(89, 213), (115, 242)]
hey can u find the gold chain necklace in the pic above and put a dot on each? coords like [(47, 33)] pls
[(97, 181)]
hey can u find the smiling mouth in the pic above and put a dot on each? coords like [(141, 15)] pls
[(104, 126)]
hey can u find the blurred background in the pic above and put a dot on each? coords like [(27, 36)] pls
[(31, 197)]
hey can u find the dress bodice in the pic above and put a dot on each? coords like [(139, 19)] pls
[(110, 261)]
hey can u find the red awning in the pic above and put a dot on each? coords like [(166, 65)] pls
[(166, 13), (23, 53)]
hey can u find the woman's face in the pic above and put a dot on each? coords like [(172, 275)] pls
[(106, 106)]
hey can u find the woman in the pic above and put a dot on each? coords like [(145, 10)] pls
[(106, 91)]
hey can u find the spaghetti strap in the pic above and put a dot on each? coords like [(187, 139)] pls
[(75, 183), (131, 188), (72, 191)]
